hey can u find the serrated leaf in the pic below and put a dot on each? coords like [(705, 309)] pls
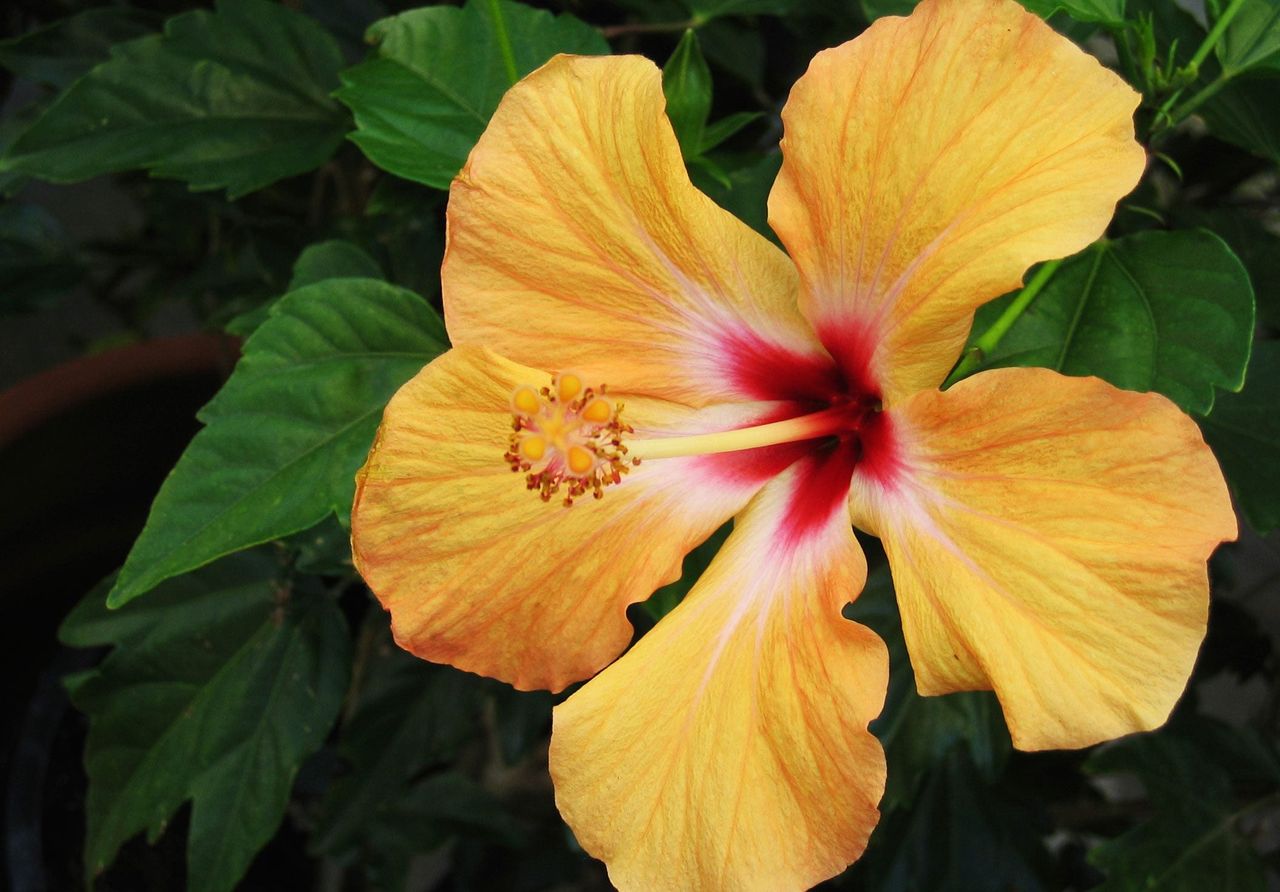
[(918, 732), (1170, 312), (1245, 113), (1192, 842), (1182, 850), (220, 684), (285, 435), (961, 835), (1252, 40), (423, 101), (233, 99), (1244, 432), (410, 716), (334, 259), (686, 83), (58, 53)]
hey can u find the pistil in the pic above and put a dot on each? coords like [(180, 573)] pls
[(833, 421)]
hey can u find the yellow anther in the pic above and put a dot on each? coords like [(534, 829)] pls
[(580, 460), (568, 386), (525, 401), (533, 448), (597, 411)]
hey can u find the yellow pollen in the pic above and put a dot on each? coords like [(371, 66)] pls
[(567, 437)]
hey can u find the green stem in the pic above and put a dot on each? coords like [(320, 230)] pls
[(504, 41), (611, 31), (1167, 116), (1215, 33), (990, 339), (1210, 90)]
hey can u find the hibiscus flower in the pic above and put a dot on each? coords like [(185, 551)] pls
[(1047, 535)]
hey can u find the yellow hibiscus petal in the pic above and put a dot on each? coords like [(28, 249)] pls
[(729, 748), (575, 210), (1048, 538), (479, 572), (928, 163)]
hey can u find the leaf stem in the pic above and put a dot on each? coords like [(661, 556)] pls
[(990, 339), (612, 31), (504, 42), (1167, 116), (1215, 33)]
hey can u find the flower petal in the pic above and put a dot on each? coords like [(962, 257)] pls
[(480, 573), (1048, 538), (928, 163), (575, 210), (729, 748)]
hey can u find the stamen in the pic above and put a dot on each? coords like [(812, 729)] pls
[(567, 436)]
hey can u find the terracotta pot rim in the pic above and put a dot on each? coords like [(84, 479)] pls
[(34, 400)]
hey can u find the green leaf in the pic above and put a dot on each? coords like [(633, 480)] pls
[(334, 259), (409, 716), (1257, 247), (1182, 850), (1252, 40), (667, 598), (724, 128), (874, 9), (961, 835), (1165, 311), (36, 263), (220, 684), (58, 53), (1244, 432), (746, 197), (1193, 842), (234, 99), (522, 719), (286, 434), (918, 732), (423, 101), (1245, 113), (1102, 12), (686, 82), (323, 550)]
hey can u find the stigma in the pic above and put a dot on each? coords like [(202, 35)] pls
[(567, 437)]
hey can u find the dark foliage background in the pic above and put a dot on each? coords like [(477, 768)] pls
[(183, 185)]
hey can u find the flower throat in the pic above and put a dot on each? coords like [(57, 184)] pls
[(569, 437)]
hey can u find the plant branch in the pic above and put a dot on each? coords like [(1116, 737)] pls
[(990, 339), (1168, 116)]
